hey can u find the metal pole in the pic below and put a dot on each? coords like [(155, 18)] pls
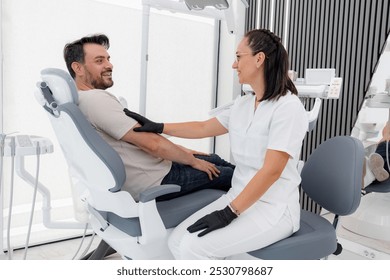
[(1, 127), (144, 58)]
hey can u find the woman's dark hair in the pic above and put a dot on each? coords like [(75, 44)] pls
[(74, 52), (276, 64)]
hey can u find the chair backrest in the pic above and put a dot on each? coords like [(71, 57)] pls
[(91, 160), (333, 174)]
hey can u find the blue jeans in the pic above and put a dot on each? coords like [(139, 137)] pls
[(191, 179)]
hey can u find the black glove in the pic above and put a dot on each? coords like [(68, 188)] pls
[(146, 124), (215, 220)]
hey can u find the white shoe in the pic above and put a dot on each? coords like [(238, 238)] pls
[(376, 164)]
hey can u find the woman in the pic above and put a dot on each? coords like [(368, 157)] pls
[(266, 130)]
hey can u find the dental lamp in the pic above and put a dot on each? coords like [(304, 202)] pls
[(217, 9), (200, 5), (223, 5), (218, 4)]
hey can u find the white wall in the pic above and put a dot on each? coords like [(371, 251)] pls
[(180, 78)]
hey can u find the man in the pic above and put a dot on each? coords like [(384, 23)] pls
[(149, 159)]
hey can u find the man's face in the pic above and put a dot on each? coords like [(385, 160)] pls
[(97, 67)]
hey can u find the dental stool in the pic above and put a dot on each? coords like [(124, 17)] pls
[(331, 177), (134, 229)]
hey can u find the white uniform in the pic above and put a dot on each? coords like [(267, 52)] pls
[(276, 125)]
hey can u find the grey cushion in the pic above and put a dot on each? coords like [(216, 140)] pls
[(315, 239)]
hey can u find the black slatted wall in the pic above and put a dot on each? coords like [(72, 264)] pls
[(348, 35)]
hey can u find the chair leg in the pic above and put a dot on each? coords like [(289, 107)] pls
[(339, 249), (103, 250)]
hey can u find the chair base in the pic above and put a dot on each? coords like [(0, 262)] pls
[(129, 247), (372, 218), (102, 251)]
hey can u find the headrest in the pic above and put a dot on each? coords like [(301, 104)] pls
[(61, 85), (56, 88)]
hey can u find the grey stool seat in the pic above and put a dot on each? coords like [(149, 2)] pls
[(332, 177), (314, 232)]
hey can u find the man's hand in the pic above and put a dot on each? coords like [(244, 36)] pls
[(205, 166), (215, 220), (146, 124)]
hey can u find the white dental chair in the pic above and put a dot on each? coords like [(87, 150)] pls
[(135, 230)]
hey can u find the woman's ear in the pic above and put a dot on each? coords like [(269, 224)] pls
[(260, 59)]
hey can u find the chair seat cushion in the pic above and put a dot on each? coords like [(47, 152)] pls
[(315, 239), (172, 212)]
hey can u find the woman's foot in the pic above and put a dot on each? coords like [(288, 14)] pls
[(376, 164)]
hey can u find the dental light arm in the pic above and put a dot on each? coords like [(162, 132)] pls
[(218, 9)]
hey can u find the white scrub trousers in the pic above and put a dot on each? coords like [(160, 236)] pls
[(243, 234)]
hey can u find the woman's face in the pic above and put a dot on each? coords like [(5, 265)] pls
[(246, 64)]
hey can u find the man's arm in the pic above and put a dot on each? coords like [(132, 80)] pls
[(161, 147)]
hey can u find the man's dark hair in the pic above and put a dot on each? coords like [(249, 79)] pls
[(74, 52)]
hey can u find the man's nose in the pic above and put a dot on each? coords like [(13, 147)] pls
[(109, 65)]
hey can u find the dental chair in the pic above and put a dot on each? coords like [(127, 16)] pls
[(332, 177), (134, 229)]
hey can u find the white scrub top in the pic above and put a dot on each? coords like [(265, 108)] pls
[(277, 125)]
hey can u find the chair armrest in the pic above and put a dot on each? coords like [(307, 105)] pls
[(157, 191)]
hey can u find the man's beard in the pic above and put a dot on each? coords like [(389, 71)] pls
[(99, 83), (102, 84)]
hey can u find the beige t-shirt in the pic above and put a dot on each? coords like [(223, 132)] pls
[(105, 113)]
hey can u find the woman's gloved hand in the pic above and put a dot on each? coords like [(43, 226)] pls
[(215, 220), (146, 124)]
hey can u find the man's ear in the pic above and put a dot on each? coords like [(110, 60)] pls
[(77, 68)]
